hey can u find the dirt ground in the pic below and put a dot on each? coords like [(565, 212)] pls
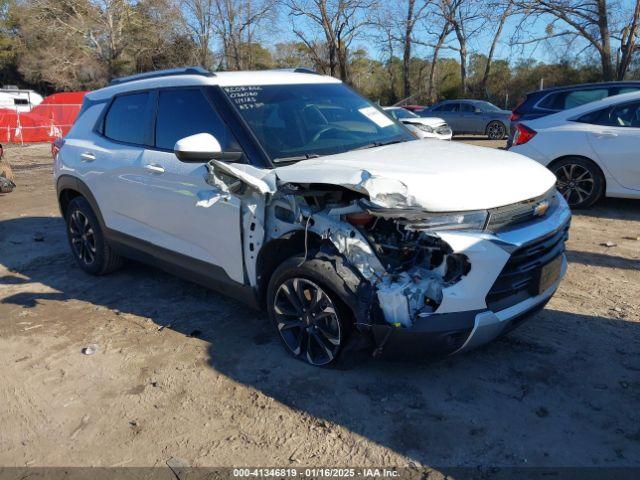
[(184, 372)]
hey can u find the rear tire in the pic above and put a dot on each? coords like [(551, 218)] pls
[(310, 318), (86, 239), (496, 130), (579, 180)]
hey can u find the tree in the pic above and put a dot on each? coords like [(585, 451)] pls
[(504, 9), (339, 21), (593, 22), (199, 20), (465, 19), (80, 44)]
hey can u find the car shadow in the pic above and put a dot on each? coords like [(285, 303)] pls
[(562, 389), (602, 260), (618, 208)]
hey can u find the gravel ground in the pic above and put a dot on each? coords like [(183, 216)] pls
[(180, 371)]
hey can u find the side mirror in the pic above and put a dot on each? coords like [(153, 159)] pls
[(202, 147), (477, 110)]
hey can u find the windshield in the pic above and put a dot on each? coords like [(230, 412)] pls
[(294, 122), (401, 113)]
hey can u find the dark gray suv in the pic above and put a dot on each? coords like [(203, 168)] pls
[(471, 116)]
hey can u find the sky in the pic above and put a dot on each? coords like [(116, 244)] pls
[(542, 51)]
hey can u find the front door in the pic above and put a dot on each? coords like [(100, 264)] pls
[(617, 144), (188, 215)]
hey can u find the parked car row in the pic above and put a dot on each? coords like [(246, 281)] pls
[(588, 135), (593, 149)]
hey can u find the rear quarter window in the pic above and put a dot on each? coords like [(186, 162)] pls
[(564, 100), (128, 118)]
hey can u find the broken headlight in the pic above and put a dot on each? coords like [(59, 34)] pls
[(420, 126), (451, 221)]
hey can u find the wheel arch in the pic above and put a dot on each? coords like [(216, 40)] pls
[(69, 187), (354, 292), (276, 251)]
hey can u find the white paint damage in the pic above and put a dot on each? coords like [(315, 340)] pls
[(272, 208)]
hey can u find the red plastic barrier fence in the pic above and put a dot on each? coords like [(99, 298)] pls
[(52, 119)]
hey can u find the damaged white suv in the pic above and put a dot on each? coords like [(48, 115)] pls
[(288, 190)]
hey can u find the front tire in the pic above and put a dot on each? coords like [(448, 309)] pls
[(86, 239), (496, 130), (308, 315), (579, 181)]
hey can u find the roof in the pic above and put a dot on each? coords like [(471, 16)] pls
[(620, 83), (185, 77)]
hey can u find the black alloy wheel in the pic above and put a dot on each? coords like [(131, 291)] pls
[(307, 320), (82, 236), (496, 131), (579, 181)]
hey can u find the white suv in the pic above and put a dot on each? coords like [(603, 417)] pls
[(288, 190)]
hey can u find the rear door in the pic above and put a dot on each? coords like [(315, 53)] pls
[(188, 215), (615, 137), (111, 167)]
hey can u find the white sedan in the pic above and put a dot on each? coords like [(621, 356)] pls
[(423, 127), (594, 149)]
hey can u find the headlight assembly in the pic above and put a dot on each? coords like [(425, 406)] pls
[(451, 221), (424, 128)]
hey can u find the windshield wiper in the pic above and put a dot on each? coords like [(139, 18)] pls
[(296, 158), (379, 144)]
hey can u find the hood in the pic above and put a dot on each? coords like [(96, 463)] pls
[(436, 176), (429, 121)]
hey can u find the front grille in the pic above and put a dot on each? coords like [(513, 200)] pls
[(509, 215), (518, 279)]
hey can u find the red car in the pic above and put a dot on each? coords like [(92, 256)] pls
[(413, 108)]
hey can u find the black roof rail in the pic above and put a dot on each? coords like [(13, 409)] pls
[(305, 70), (163, 73)]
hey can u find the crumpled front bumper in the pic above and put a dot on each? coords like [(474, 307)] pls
[(466, 322)]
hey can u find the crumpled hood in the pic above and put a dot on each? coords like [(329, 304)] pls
[(436, 176)]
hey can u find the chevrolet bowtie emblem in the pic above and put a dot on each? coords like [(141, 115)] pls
[(541, 208)]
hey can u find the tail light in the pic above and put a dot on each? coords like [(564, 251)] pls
[(523, 134), (56, 145), (515, 115)]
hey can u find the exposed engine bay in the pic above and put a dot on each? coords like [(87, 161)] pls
[(381, 237)]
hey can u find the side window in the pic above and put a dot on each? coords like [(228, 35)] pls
[(550, 102), (580, 97), (627, 115), (127, 118), (184, 112), (448, 107), (467, 107), (620, 91)]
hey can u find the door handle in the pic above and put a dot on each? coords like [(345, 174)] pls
[(606, 134), (154, 168), (87, 156)]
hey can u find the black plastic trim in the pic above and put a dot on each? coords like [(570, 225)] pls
[(197, 271), (191, 269)]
